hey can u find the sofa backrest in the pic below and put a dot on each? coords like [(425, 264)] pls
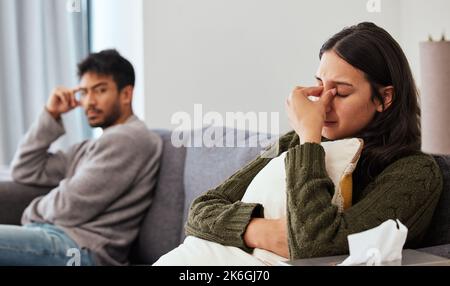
[(439, 230), (160, 230), (184, 174), (206, 168)]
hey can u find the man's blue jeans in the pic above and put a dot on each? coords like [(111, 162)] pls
[(40, 245)]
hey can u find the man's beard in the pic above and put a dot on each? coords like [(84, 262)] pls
[(110, 118)]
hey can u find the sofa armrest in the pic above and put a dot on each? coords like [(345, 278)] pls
[(14, 198), (439, 250)]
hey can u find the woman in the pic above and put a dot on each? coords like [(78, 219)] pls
[(366, 90)]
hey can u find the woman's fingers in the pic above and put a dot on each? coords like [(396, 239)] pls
[(316, 91), (328, 96), (306, 116), (299, 97), (312, 91), (302, 93), (306, 91)]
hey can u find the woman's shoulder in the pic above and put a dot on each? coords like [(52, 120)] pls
[(418, 158), (416, 165), (415, 173)]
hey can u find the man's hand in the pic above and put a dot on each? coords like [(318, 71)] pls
[(61, 101), (305, 116), (268, 234)]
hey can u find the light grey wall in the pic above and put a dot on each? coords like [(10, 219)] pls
[(420, 19), (243, 55), (118, 24), (240, 55)]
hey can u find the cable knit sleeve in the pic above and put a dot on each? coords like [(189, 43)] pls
[(407, 190), (219, 215)]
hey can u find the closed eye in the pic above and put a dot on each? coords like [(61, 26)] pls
[(342, 95)]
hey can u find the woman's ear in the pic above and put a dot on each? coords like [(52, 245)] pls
[(387, 93)]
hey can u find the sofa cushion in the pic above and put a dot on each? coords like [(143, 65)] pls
[(206, 168), (439, 229), (162, 225), (14, 198)]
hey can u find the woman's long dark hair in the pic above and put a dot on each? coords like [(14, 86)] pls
[(395, 132)]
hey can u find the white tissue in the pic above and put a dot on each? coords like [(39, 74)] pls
[(383, 243)]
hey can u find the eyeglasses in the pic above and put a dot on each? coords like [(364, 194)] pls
[(96, 91)]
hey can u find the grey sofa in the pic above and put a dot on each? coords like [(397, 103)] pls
[(185, 173)]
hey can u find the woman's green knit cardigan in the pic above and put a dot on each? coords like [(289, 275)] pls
[(407, 190)]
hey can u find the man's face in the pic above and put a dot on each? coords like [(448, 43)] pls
[(100, 99)]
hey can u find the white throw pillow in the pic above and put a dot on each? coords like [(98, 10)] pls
[(269, 185), (195, 251), (269, 189)]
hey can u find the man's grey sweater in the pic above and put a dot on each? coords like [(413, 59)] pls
[(102, 187)]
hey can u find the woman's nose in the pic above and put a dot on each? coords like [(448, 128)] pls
[(327, 87)]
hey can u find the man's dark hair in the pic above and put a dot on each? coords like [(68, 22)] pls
[(109, 62)]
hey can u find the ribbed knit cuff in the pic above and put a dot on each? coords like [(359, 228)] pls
[(243, 216), (233, 232), (235, 186), (307, 160)]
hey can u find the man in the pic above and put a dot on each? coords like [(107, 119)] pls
[(102, 187)]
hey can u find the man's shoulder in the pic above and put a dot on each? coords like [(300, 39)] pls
[(134, 133)]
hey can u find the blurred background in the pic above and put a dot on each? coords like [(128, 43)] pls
[(228, 55)]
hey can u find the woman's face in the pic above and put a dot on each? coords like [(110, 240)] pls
[(352, 108)]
